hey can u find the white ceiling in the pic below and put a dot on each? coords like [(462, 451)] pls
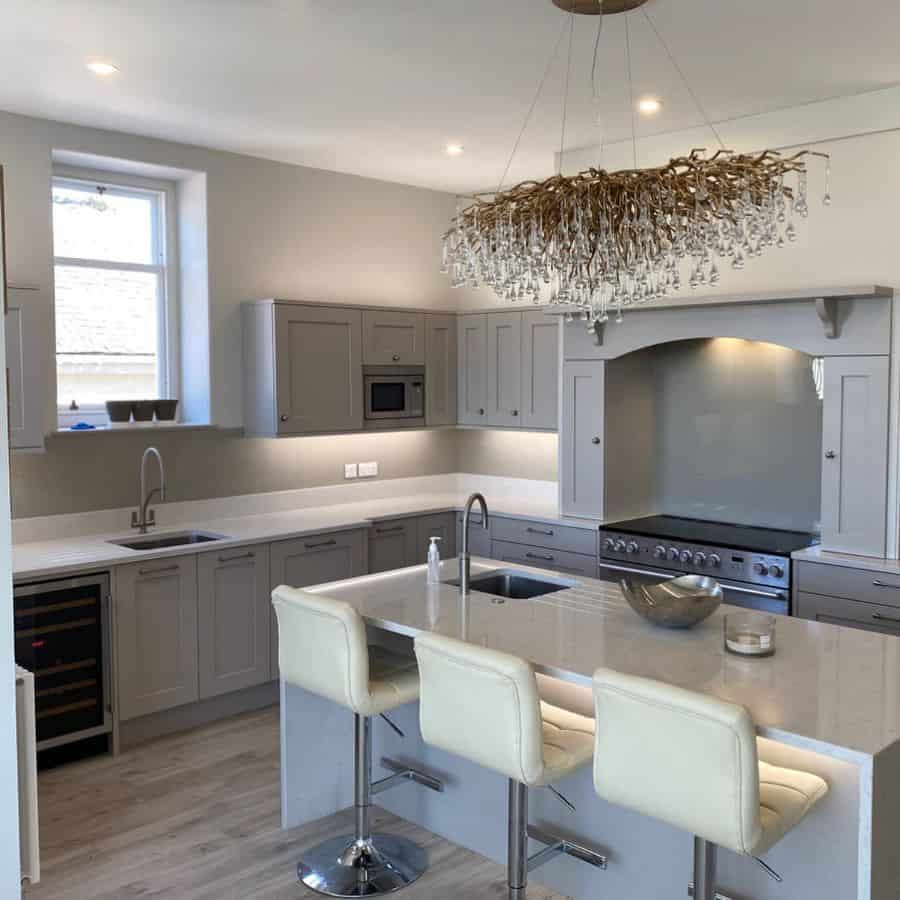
[(379, 87)]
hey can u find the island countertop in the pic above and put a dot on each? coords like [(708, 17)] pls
[(829, 689)]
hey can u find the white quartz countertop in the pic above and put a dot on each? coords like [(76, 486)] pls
[(89, 551), (829, 689)]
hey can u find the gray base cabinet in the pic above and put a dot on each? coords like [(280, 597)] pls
[(442, 525), (156, 635), (543, 558), (313, 560), (849, 613), (392, 544), (479, 538), (234, 608)]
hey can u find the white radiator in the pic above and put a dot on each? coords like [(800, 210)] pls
[(28, 798)]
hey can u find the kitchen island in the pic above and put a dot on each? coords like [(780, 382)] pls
[(828, 701)]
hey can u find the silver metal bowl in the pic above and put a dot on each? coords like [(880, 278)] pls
[(677, 603)]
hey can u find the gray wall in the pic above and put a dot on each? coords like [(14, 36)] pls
[(738, 432), (511, 454)]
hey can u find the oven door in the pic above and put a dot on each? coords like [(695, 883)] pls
[(394, 397), (770, 600)]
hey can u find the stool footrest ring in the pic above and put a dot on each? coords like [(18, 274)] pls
[(404, 773), (557, 846)]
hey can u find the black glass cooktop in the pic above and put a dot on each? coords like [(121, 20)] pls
[(718, 534)]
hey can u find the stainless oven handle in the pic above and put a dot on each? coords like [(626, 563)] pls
[(632, 571), (880, 617), (769, 595), (884, 584)]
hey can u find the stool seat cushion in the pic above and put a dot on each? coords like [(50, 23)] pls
[(393, 681), (785, 797), (568, 742)]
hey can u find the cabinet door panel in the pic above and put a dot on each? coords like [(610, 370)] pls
[(855, 444), (542, 558), (442, 525), (156, 635), (318, 369), (234, 603), (393, 338), (504, 367), (440, 370), (540, 370), (581, 446), (848, 613), (479, 538), (23, 367), (472, 375), (392, 545), (315, 559)]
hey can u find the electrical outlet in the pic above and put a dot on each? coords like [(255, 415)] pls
[(368, 469), (350, 470)]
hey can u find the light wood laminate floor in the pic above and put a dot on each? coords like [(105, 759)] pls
[(196, 817)]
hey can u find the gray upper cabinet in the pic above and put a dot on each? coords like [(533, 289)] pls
[(540, 370), (581, 440), (234, 604), (440, 370), (302, 369), (392, 338), (855, 449), (473, 375), (504, 369), (313, 560), (156, 635), (392, 544)]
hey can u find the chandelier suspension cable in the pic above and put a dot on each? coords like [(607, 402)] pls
[(630, 91), (534, 101), (684, 81), (565, 104)]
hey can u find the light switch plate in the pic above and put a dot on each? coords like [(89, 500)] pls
[(368, 469), (350, 470)]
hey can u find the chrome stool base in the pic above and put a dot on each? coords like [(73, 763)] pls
[(346, 867)]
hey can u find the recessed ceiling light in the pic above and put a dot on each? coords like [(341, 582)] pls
[(649, 106), (454, 149), (98, 67)]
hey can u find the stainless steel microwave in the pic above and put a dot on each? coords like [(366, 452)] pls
[(394, 396)]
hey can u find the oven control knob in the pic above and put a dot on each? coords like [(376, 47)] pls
[(714, 560), (776, 571), (673, 554), (659, 552), (699, 560), (760, 569), (609, 544), (633, 547), (686, 556), (619, 546)]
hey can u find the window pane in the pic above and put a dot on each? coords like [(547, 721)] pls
[(106, 335), (90, 225)]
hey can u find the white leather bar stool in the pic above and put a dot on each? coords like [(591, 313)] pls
[(691, 761), (483, 705), (322, 648)]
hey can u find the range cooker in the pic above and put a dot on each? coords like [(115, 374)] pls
[(752, 564)]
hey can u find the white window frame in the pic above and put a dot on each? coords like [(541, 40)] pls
[(164, 265)]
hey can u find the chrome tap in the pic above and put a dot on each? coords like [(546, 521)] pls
[(464, 560), (142, 517)]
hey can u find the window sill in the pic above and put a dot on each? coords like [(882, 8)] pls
[(132, 427)]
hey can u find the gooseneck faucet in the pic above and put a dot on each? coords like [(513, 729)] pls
[(464, 559), (143, 517)]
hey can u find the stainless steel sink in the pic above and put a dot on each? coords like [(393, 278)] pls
[(514, 585), (172, 539)]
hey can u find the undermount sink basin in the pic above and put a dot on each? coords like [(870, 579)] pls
[(172, 539), (513, 585)]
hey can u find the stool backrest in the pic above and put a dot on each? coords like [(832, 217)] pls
[(322, 646), (677, 756), (482, 705)]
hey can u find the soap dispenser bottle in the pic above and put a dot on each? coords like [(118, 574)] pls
[(434, 562)]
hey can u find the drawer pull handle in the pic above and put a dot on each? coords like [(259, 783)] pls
[(595, 440), (548, 557), (390, 530), (481, 411), (830, 454), (328, 543), (884, 584), (546, 533), (283, 417), (396, 357), (225, 559), (882, 618), (157, 571)]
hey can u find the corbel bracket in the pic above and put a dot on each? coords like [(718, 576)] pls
[(598, 330), (827, 311)]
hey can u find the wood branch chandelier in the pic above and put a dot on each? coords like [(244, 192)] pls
[(601, 241)]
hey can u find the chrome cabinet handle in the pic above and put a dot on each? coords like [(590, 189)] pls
[(390, 530), (157, 571), (884, 584), (547, 533), (283, 418), (548, 557), (595, 440), (830, 454), (329, 543), (882, 618), (225, 559)]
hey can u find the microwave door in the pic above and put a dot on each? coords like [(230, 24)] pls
[(387, 399)]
